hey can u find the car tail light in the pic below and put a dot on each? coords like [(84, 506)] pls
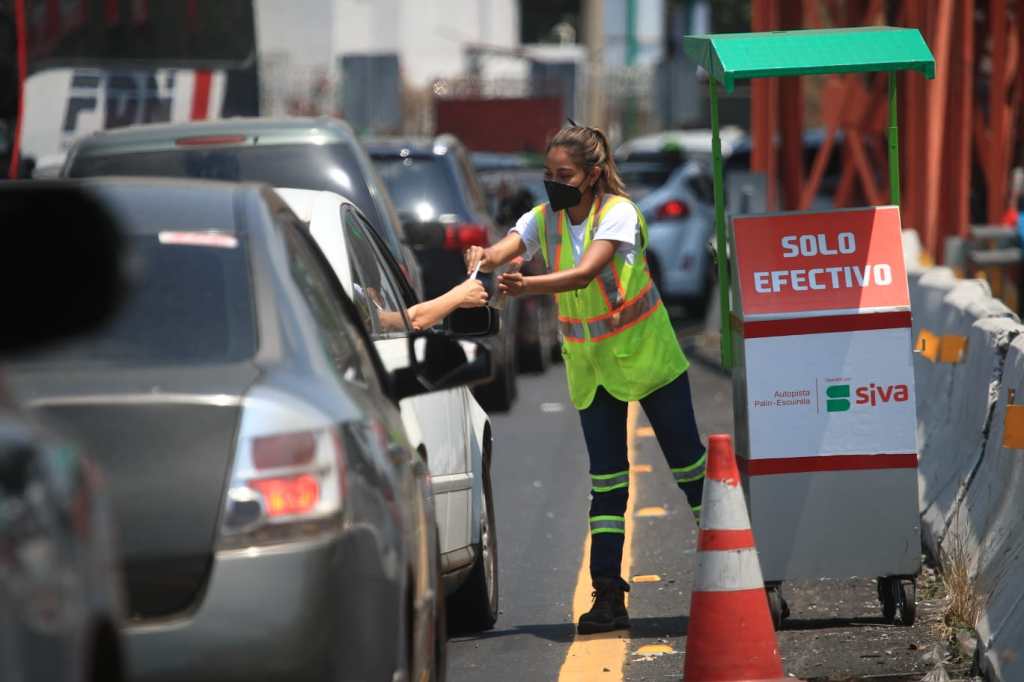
[(461, 236), (288, 495), (283, 479), (673, 210)]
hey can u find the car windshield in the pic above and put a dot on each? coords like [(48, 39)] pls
[(423, 187), (191, 303), (642, 179), (331, 167)]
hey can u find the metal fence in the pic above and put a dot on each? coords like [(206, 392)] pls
[(376, 100)]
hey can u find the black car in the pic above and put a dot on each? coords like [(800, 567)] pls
[(514, 185), (434, 186), (275, 522), (305, 153)]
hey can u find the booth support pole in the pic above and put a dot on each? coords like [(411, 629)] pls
[(723, 253), (894, 143)]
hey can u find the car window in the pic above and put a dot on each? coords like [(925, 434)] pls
[(391, 268), (374, 292), (646, 178), (703, 188), (318, 287), (424, 187), (332, 167), (191, 303), (476, 194)]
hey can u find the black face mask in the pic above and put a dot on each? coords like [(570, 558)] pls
[(562, 196)]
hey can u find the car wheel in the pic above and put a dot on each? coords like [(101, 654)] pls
[(105, 661), (500, 394), (655, 271), (534, 357), (474, 606), (440, 626), (697, 306)]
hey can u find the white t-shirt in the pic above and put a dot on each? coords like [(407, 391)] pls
[(618, 225)]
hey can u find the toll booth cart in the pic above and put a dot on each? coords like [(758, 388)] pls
[(816, 331)]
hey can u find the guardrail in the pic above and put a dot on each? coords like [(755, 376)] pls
[(992, 253)]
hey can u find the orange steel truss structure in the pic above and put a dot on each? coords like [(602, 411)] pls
[(959, 134)]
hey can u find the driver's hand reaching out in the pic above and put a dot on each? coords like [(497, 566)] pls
[(472, 294)]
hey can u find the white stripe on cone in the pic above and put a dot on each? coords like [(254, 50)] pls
[(728, 570), (723, 507)]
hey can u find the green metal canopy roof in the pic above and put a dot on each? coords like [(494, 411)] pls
[(728, 56)]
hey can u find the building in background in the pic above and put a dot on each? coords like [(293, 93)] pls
[(308, 46), (386, 64)]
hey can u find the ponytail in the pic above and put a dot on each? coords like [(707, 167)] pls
[(588, 147)]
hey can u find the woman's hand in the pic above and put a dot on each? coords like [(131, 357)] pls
[(472, 294), (478, 254), (512, 284)]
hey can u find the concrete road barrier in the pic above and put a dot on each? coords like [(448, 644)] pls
[(945, 325), (927, 289), (959, 421), (971, 470), (913, 252), (926, 304), (990, 529)]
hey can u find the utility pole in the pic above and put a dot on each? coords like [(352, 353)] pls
[(631, 52), (593, 32)]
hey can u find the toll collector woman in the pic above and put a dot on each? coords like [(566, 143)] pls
[(617, 340)]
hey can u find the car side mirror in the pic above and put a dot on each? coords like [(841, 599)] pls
[(61, 272), (440, 362), (473, 322)]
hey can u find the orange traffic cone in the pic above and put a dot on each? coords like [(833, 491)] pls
[(730, 637)]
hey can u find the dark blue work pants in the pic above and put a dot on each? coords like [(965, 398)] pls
[(670, 411)]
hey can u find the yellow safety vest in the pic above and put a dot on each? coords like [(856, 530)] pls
[(616, 332)]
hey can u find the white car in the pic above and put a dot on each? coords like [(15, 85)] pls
[(680, 221), (449, 428)]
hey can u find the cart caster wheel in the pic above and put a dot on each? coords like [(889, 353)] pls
[(898, 595), (885, 596), (777, 605)]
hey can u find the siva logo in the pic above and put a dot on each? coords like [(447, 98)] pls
[(873, 395), (838, 398)]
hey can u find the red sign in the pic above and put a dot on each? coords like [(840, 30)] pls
[(500, 125), (823, 261)]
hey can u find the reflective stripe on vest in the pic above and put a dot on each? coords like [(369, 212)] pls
[(632, 312)]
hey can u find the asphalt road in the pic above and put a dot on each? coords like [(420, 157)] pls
[(541, 496)]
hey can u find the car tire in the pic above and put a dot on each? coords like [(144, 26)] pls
[(440, 624), (500, 394), (474, 606), (697, 306), (105, 659), (654, 269), (534, 357)]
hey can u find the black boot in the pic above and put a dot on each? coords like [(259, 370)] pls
[(609, 611)]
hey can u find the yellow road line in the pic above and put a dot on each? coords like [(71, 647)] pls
[(654, 650), (652, 511), (601, 656), (652, 578)]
